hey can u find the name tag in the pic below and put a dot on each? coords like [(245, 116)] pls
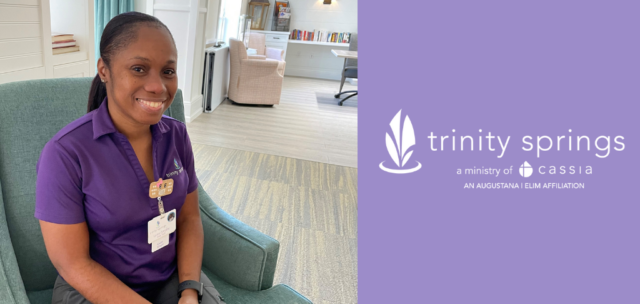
[(162, 242), (161, 226)]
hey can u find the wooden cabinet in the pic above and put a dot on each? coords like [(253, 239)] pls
[(25, 39)]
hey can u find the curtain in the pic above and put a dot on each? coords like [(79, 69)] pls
[(104, 10)]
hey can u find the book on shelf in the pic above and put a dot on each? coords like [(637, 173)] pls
[(320, 36), (68, 49), (65, 43), (56, 37)]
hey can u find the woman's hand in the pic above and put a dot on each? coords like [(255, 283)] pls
[(189, 296)]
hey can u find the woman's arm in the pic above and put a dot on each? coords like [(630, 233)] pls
[(68, 249), (190, 244)]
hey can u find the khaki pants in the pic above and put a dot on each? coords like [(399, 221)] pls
[(63, 293)]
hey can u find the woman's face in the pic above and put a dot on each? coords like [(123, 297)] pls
[(142, 80)]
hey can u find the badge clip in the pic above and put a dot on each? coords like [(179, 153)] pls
[(161, 188)]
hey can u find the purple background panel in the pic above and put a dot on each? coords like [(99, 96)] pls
[(513, 68)]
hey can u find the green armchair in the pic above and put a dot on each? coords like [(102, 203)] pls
[(238, 259)]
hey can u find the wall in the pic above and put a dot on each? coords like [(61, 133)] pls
[(140, 6), (313, 60), (339, 16)]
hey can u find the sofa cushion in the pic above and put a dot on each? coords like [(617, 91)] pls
[(9, 272)]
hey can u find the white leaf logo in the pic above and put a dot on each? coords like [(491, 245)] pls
[(404, 139), (393, 150), (398, 145), (408, 139)]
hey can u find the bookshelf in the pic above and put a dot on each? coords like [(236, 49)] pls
[(319, 43), (25, 39), (70, 57), (74, 17)]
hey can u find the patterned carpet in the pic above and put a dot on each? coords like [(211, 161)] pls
[(310, 207)]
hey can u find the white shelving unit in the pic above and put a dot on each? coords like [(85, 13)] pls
[(73, 17), (319, 43), (25, 39)]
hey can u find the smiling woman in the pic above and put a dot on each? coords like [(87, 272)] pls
[(106, 237), (140, 80)]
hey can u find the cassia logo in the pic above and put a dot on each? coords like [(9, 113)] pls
[(526, 170), (398, 147)]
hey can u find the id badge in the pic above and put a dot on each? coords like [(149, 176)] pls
[(161, 226), (158, 244)]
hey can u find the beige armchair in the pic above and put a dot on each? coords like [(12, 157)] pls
[(253, 80)]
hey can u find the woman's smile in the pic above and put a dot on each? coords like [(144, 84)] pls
[(152, 105)]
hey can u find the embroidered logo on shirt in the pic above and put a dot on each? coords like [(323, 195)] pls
[(178, 169)]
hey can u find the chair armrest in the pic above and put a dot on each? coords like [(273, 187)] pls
[(281, 65), (260, 68), (262, 57), (11, 285), (239, 254)]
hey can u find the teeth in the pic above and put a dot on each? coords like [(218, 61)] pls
[(151, 104)]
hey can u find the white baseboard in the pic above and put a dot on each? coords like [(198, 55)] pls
[(193, 109), (192, 117), (313, 73)]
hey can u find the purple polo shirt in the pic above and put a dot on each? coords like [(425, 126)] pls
[(88, 172)]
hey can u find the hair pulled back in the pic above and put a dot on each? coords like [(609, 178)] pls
[(119, 33)]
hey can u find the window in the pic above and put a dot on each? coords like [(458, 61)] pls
[(228, 21)]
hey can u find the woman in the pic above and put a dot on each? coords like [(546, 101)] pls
[(101, 199)]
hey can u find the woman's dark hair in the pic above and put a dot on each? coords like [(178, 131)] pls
[(118, 33)]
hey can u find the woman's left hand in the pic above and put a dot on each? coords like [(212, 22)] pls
[(189, 296)]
